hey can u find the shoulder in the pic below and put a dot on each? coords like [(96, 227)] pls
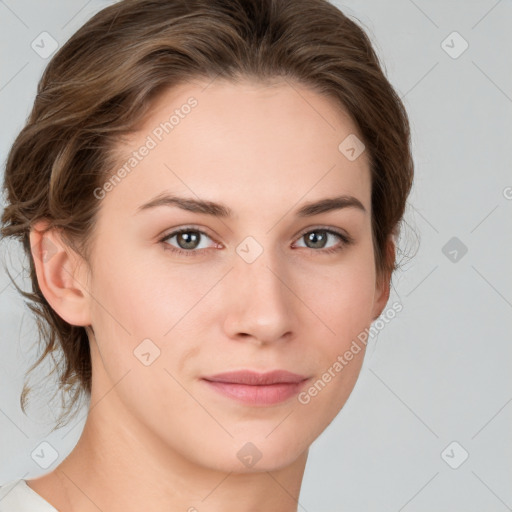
[(17, 496)]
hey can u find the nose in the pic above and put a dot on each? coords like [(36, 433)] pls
[(260, 306)]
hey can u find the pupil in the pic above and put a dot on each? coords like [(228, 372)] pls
[(315, 239), (190, 240)]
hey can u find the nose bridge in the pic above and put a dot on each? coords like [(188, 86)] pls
[(262, 278), (259, 301)]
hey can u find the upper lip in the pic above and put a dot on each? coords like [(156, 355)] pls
[(257, 379)]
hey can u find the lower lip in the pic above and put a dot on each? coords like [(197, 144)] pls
[(257, 395)]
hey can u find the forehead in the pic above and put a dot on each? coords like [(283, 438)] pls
[(244, 142)]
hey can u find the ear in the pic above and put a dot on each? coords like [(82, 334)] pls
[(382, 286), (61, 273)]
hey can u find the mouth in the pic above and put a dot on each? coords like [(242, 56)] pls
[(254, 388)]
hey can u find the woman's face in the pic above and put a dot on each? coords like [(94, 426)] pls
[(263, 288)]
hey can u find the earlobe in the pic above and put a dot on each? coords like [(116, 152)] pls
[(60, 274)]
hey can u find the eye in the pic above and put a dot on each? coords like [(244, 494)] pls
[(191, 241), (187, 240), (318, 239)]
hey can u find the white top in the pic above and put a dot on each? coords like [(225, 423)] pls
[(17, 496)]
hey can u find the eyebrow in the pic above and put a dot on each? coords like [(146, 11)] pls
[(223, 211)]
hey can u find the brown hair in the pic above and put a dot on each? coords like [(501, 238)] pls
[(100, 84)]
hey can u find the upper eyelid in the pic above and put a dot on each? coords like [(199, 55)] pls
[(336, 231)]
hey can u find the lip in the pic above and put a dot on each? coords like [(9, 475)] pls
[(255, 388)]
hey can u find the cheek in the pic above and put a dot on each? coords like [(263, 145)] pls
[(343, 305), (338, 350), (350, 305), (136, 301), (345, 313), (342, 297)]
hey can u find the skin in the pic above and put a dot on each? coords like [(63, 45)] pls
[(157, 437)]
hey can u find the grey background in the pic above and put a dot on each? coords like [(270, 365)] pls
[(440, 371)]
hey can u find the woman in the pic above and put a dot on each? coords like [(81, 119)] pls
[(209, 193)]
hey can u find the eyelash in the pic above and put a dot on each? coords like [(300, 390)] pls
[(346, 240)]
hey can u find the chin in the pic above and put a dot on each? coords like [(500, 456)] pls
[(252, 454)]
